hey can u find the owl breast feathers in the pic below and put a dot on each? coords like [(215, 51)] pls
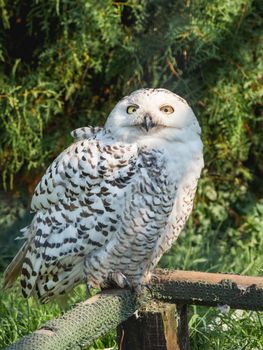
[(112, 203)]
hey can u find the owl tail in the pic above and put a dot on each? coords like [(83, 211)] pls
[(14, 268), (59, 281)]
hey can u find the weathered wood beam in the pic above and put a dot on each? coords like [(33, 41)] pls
[(209, 289), (98, 315), (83, 324)]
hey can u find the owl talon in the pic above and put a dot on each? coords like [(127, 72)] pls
[(128, 285), (88, 290), (154, 279), (119, 279), (146, 287)]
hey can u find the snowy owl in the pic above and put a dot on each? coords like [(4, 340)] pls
[(112, 203)]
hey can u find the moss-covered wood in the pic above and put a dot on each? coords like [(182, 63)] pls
[(98, 315), (210, 289), (83, 324)]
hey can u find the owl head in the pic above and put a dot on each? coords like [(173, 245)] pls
[(152, 113)]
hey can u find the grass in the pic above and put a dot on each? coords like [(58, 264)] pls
[(19, 317), (209, 243)]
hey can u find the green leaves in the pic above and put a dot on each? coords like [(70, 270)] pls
[(22, 129), (84, 56)]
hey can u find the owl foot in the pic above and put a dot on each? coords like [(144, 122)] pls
[(149, 288), (147, 284), (119, 279), (154, 279), (88, 290)]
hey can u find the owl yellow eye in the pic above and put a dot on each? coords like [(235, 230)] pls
[(131, 109), (167, 109)]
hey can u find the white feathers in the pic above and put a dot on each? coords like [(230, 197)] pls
[(115, 200)]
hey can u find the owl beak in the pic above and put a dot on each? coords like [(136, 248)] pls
[(147, 122)]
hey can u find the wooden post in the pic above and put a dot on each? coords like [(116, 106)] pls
[(161, 326), (183, 339)]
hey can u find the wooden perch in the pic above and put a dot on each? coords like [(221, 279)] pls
[(209, 289), (98, 315), (83, 324)]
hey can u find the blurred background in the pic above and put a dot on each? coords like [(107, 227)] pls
[(64, 64)]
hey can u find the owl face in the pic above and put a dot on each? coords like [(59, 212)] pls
[(151, 112)]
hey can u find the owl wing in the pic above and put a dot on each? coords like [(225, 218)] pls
[(79, 168), (75, 204), (85, 132)]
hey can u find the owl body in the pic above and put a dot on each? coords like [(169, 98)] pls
[(112, 203)]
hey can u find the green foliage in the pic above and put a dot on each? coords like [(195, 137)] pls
[(18, 316), (22, 129), (68, 63), (64, 64), (236, 329)]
